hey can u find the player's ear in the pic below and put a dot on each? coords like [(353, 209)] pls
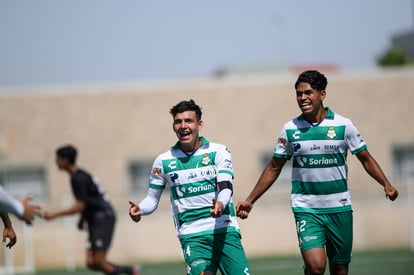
[(200, 124), (323, 94)]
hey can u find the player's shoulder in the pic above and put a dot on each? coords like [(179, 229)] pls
[(81, 176), (340, 119), (215, 145), (166, 154), (80, 173)]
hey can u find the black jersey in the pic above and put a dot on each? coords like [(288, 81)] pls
[(87, 189)]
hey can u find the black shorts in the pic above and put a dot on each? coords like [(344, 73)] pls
[(101, 228)]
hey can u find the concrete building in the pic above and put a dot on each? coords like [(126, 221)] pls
[(120, 129)]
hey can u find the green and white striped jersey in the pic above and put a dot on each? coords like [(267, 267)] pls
[(319, 168), (192, 180)]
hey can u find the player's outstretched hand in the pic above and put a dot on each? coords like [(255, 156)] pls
[(217, 210), (30, 210), (134, 211), (47, 215), (243, 209), (391, 192)]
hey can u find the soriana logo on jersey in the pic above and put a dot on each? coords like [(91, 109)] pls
[(190, 190)]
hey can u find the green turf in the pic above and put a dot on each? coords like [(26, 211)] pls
[(394, 262)]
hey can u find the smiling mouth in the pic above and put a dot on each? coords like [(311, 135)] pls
[(305, 106), (184, 134)]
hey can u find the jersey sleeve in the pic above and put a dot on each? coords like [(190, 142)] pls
[(283, 148), (354, 139), (80, 187), (224, 165), (9, 204), (157, 178)]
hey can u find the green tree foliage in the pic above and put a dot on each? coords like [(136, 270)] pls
[(393, 57)]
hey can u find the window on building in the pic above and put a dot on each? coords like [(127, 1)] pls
[(404, 163), (23, 181), (138, 174)]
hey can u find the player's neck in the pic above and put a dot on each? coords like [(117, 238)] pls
[(318, 117), (191, 148), (71, 169)]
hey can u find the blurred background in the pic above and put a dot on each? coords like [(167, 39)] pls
[(102, 75)]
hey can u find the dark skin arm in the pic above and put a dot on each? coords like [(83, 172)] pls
[(374, 170), (8, 231), (77, 207), (268, 177)]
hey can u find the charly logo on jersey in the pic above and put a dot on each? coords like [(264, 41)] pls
[(172, 165), (295, 135), (331, 132)]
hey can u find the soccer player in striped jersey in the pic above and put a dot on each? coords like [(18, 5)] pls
[(200, 176), (317, 142)]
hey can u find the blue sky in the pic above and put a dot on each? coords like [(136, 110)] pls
[(49, 42)]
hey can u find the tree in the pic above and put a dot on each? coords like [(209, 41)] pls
[(393, 57)]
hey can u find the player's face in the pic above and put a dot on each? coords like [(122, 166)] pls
[(309, 100), (187, 127), (61, 163)]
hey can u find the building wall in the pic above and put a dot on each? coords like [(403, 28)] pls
[(113, 125)]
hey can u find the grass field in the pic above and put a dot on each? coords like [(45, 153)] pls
[(395, 262)]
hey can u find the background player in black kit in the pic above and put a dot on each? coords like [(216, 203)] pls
[(96, 212)]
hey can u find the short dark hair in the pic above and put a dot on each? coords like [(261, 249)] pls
[(186, 105), (315, 79), (68, 152)]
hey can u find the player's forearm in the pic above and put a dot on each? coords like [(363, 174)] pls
[(257, 192), (375, 171), (6, 220), (224, 196), (78, 207), (150, 203), (372, 168), (10, 204), (266, 180)]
